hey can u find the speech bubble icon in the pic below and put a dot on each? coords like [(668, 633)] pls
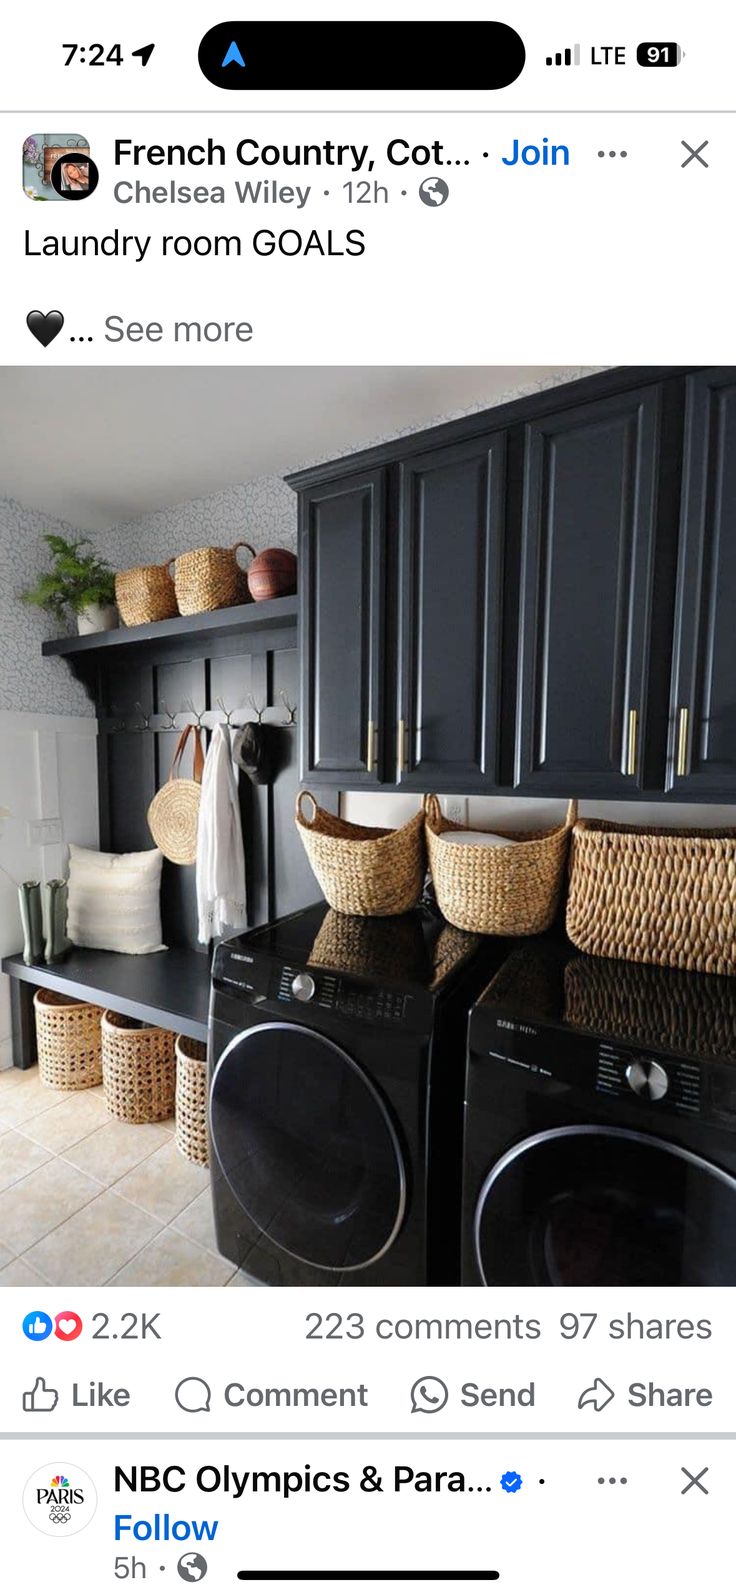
[(193, 1394), (429, 1395)]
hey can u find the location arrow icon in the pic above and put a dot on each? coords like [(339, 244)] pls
[(145, 53), (233, 56)]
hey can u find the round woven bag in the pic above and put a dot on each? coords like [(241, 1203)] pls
[(173, 816)]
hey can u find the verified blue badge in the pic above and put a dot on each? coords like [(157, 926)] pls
[(511, 1482)]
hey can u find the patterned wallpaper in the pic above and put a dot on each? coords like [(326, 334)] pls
[(28, 682), (262, 512)]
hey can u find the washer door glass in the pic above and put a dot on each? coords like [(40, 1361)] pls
[(308, 1147), (589, 1206)]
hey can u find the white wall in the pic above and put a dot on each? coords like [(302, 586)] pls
[(528, 814), (48, 770)]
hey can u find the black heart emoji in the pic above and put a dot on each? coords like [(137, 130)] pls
[(45, 327)]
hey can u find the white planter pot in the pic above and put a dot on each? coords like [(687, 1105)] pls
[(97, 617)]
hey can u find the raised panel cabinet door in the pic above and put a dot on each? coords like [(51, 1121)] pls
[(588, 543), (450, 573), (702, 748), (342, 573)]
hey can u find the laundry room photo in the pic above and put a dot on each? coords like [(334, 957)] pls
[(368, 826)]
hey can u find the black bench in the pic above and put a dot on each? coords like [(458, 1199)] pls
[(170, 989)]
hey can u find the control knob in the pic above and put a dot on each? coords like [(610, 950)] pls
[(647, 1079), (303, 988)]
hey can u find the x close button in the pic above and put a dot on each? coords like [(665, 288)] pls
[(694, 1480), (694, 155)]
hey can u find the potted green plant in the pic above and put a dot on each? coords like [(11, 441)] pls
[(80, 581)]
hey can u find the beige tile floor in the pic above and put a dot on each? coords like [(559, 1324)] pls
[(85, 1200)]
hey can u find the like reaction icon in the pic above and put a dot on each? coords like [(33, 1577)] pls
[(41, 1398), (37, 1326)]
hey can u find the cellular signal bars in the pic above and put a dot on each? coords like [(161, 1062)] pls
[(569, 57)]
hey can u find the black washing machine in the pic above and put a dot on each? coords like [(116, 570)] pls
[(600, 1124), (337, 1053)]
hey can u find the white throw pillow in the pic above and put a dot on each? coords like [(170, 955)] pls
[(115, 900), (478, 839)]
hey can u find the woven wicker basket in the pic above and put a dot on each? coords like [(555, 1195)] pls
[(653, 895), (210, 578), (69, 1042), (676, 1010), (191, 1100), (498, 891), (360, 869), (145, 593), (138, 1071)]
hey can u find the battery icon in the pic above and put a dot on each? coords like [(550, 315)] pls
[(659, 54)]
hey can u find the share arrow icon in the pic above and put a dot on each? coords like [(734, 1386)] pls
[(233, 56), (145, 53)]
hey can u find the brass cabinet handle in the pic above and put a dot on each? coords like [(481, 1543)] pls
[(682, 740), (401, 741), (372, 750), (632, 748)]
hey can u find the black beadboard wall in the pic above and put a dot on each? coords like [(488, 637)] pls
[(133, 764)]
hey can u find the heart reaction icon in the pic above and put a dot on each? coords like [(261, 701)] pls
[(68, 1326), (46, 326)]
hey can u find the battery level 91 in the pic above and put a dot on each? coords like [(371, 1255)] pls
[(659, 54)]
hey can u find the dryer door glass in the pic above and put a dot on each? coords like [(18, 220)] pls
[(587, 1206), (308, 1147)]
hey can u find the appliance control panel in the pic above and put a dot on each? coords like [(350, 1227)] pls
[(322, 989), (672, 1081)]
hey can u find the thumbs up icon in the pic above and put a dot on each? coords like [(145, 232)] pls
[(41, 1398)]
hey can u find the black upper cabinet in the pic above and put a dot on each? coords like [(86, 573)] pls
[(588, 546), (342, 577), (702, 752), (450, 616)]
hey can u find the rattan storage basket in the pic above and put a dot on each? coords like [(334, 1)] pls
[(145, 593), (361, 869), (138, 1071), (69, 1042), (654, 895), (210, 578), (505, 891), (191, 1100)]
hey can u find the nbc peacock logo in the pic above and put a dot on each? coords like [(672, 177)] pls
[(60, 1501)]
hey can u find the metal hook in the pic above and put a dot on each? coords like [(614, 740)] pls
[(290, 710), (146, 718), (190, 709), (228, 713), (259, 713), (171, 718)]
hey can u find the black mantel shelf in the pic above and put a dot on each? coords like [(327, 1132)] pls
[(169, 988), (240, 620)]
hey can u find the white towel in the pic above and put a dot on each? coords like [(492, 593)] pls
[(221, 896)]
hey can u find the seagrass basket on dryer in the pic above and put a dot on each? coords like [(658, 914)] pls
[(655, 895), (497, 891), (360, 868)]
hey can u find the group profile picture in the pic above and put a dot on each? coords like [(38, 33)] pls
[(58, 166)]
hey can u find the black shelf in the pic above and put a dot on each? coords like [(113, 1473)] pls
[(170, 988), (238, 621)]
